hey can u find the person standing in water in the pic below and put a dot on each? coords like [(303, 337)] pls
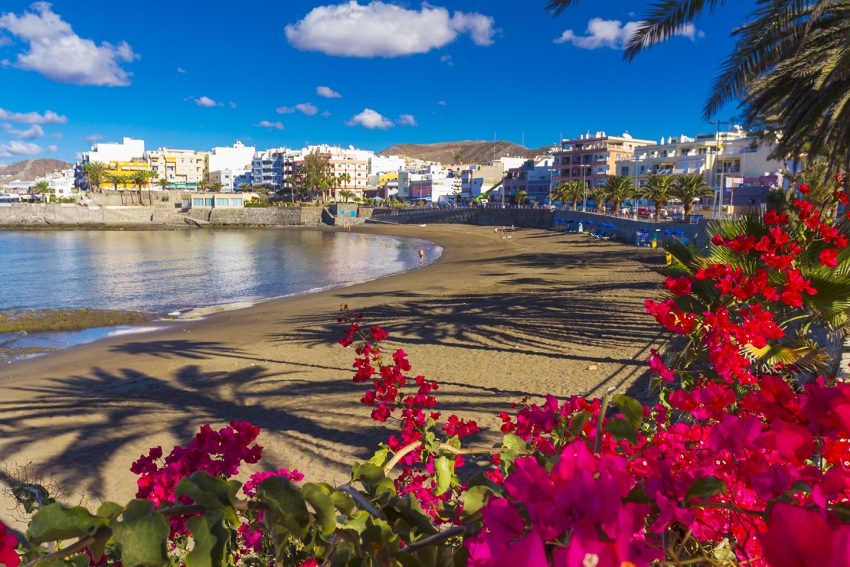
[(421, 256)]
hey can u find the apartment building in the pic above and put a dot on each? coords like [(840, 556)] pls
[(273, 168), (341, 161), (478, 179), (385, 164), (591, 158), (534, 177), (230, 165), (734, 160), (121, 160), (182, 168), (433, 185)]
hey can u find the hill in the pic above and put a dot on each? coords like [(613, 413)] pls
[(475, 152), (30, 169)]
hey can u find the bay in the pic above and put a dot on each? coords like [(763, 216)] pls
[(167, 271)]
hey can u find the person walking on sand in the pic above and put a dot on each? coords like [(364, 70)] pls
[(421, 256)]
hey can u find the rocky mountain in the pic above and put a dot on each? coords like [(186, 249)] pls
[(474, 152), (30, 169)]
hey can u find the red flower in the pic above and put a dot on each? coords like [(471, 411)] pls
[(804, 189), (678, 286), (798, 537), (770, 217), (829, 257), (8, 542)]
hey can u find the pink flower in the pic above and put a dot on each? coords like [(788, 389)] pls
[(804, 189), (797, 537), (8, 542), (829, 257)]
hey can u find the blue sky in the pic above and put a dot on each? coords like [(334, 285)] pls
[(184, 75)]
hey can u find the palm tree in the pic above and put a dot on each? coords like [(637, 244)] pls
[(244, 187), (202, 185), (570, 191), (216, 186), (95, 172), (521, 197), (788, 69), (657, 188), (41, 188), (458, 158), (114, 180), (345, 179), (617, 188), (163, 183), (347, 194), (141, 179), (688, 188)]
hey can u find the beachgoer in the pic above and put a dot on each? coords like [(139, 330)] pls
[(421, 256)]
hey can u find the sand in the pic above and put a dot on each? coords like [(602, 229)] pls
[(493, 320)]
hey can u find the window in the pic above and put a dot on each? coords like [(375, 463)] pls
[(624, 170), (235, 202), (208, 202), (197, 202), (220, 202)]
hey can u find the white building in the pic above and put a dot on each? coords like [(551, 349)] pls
[(385, 164), (733, 159), (237, 157), (272, 168), (508, 162), (230, 179), (128, 150)]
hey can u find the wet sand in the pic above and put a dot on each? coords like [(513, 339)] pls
[(493, 320)]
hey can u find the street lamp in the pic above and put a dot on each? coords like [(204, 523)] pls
[(719, 203)]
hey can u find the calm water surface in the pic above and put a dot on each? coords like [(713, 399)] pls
[(166, 271)]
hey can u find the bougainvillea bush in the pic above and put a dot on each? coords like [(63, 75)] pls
[(741, 458)]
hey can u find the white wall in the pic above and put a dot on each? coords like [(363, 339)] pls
[(128, 150), (388, 164), (234, 158)]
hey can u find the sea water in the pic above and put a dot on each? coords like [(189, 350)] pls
[(169, 271)]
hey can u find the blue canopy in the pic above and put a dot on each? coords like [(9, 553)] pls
[(590, 222), (667, 233), (679, 233)]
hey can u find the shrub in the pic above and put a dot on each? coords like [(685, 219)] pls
[(743, 458)]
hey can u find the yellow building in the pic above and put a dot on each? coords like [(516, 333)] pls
[(383, 178), (180, 167), (124, 170)]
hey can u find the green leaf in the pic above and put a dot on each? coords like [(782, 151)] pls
[(319, 498), (211, 537), (373, 480), (109, 510), (288, 508), (474, 500), (210, 492), (380, 457), (407, 509), (55, 522), (514, 442), (481, 479), (444, 469), (142, 534), (621, 429), (630, 408), (343, 502), (578, 422), (704, 488)]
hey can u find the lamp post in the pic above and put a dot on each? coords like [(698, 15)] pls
[(719, 203)]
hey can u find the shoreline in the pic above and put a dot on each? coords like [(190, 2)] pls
[(492, 320)]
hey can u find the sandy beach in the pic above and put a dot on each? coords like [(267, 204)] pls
[(493, 320)]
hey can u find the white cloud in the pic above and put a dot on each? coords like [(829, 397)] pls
[(446, 59), (32, 133), (615, 34), (4, 41), (15, 149), (232, 104), (442, 103), (52, 148), (5, 63), (180, 70), (285, 110), (207, 102), (48, 117), (326, 114), (93, 138), (327, 92), (58, 135), (59, 54), (407, 120), (370, 120), (307, 108), (384, 30), (271, 125)]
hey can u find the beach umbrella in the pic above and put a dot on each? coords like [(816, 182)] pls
[(667, 233), (590, 222), (679, 233)]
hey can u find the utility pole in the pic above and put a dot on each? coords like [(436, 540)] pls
[(719, 203)]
